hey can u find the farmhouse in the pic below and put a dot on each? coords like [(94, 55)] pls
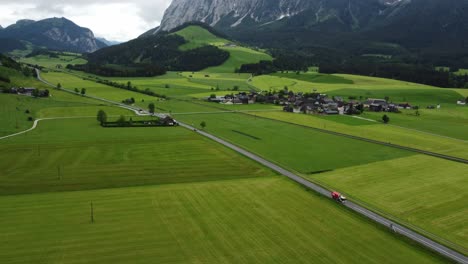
[(168, 121)]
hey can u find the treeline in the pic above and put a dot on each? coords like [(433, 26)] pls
[(141, 70), (126, 86), (282, 62), (424, 74), (7, 62), (151, 56)]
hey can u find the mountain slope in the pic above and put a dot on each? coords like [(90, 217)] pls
[(54, 33), (427, 26), (190, 48), (197, 36)]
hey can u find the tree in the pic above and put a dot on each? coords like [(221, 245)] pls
[(59, 86), (203, 124), (387, 99), (466, 100), (102, 117), (213, 96), (35, 93), (151, 108), (121, 121), (77, 90), (83, 91), (386, 119), (129, 85)]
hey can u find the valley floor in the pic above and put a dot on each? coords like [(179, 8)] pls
[(170, 195)]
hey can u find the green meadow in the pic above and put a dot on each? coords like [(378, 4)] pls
[(376, 130), (295, 147), (198, 37), (52, 62), (263, 220), (427, 192), (77, 154), (167, 194)]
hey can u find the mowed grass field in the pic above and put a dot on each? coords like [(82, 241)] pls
[(264, 220), (77, 154), (375, 130), (14, 108), (450, 121), (192, 201), (50, 62), (198, 37), (295, 147), (426, 192)]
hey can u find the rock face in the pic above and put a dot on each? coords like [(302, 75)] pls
[(54, 33), (234, 13), (411, 24)]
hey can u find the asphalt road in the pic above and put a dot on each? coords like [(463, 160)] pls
[(431, 244)]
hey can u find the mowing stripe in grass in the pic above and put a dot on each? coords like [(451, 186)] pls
[(388, 144)]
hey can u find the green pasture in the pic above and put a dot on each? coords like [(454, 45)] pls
[(198, 37), (327, 83), (78, 154), (313, 77), (17, 79), (50, 62), (377, 131), (427, 192), (450, 122), (239, 56), (269, 220), (295, 147), (70, 82), (14, 108)]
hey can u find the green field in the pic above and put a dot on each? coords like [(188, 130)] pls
[(198, 37), (170, 195), (314, 77), (295, 147), (91, 157), (377, 131), (268, 220), (424, 191), (50, 62), (14, 108), (200, 203)]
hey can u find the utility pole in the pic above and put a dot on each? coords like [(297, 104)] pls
[(92, 213)]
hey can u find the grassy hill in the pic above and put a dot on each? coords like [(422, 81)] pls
[(197, 36)]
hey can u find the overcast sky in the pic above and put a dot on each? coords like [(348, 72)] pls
[(119, 20)]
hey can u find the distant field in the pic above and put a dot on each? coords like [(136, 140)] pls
[(49, 62), (294, 147), (377, 131), (331, 83), (314, 77), (71, 82), (198, 37), (265, 220), (13, 109), (424, 191), (91, 157)]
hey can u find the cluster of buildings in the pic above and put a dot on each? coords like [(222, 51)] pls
[(309, 103), (28, 91)]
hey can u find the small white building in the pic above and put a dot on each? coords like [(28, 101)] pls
[(461, 102)]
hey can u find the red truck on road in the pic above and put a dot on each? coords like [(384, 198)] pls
[(338, 197)]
